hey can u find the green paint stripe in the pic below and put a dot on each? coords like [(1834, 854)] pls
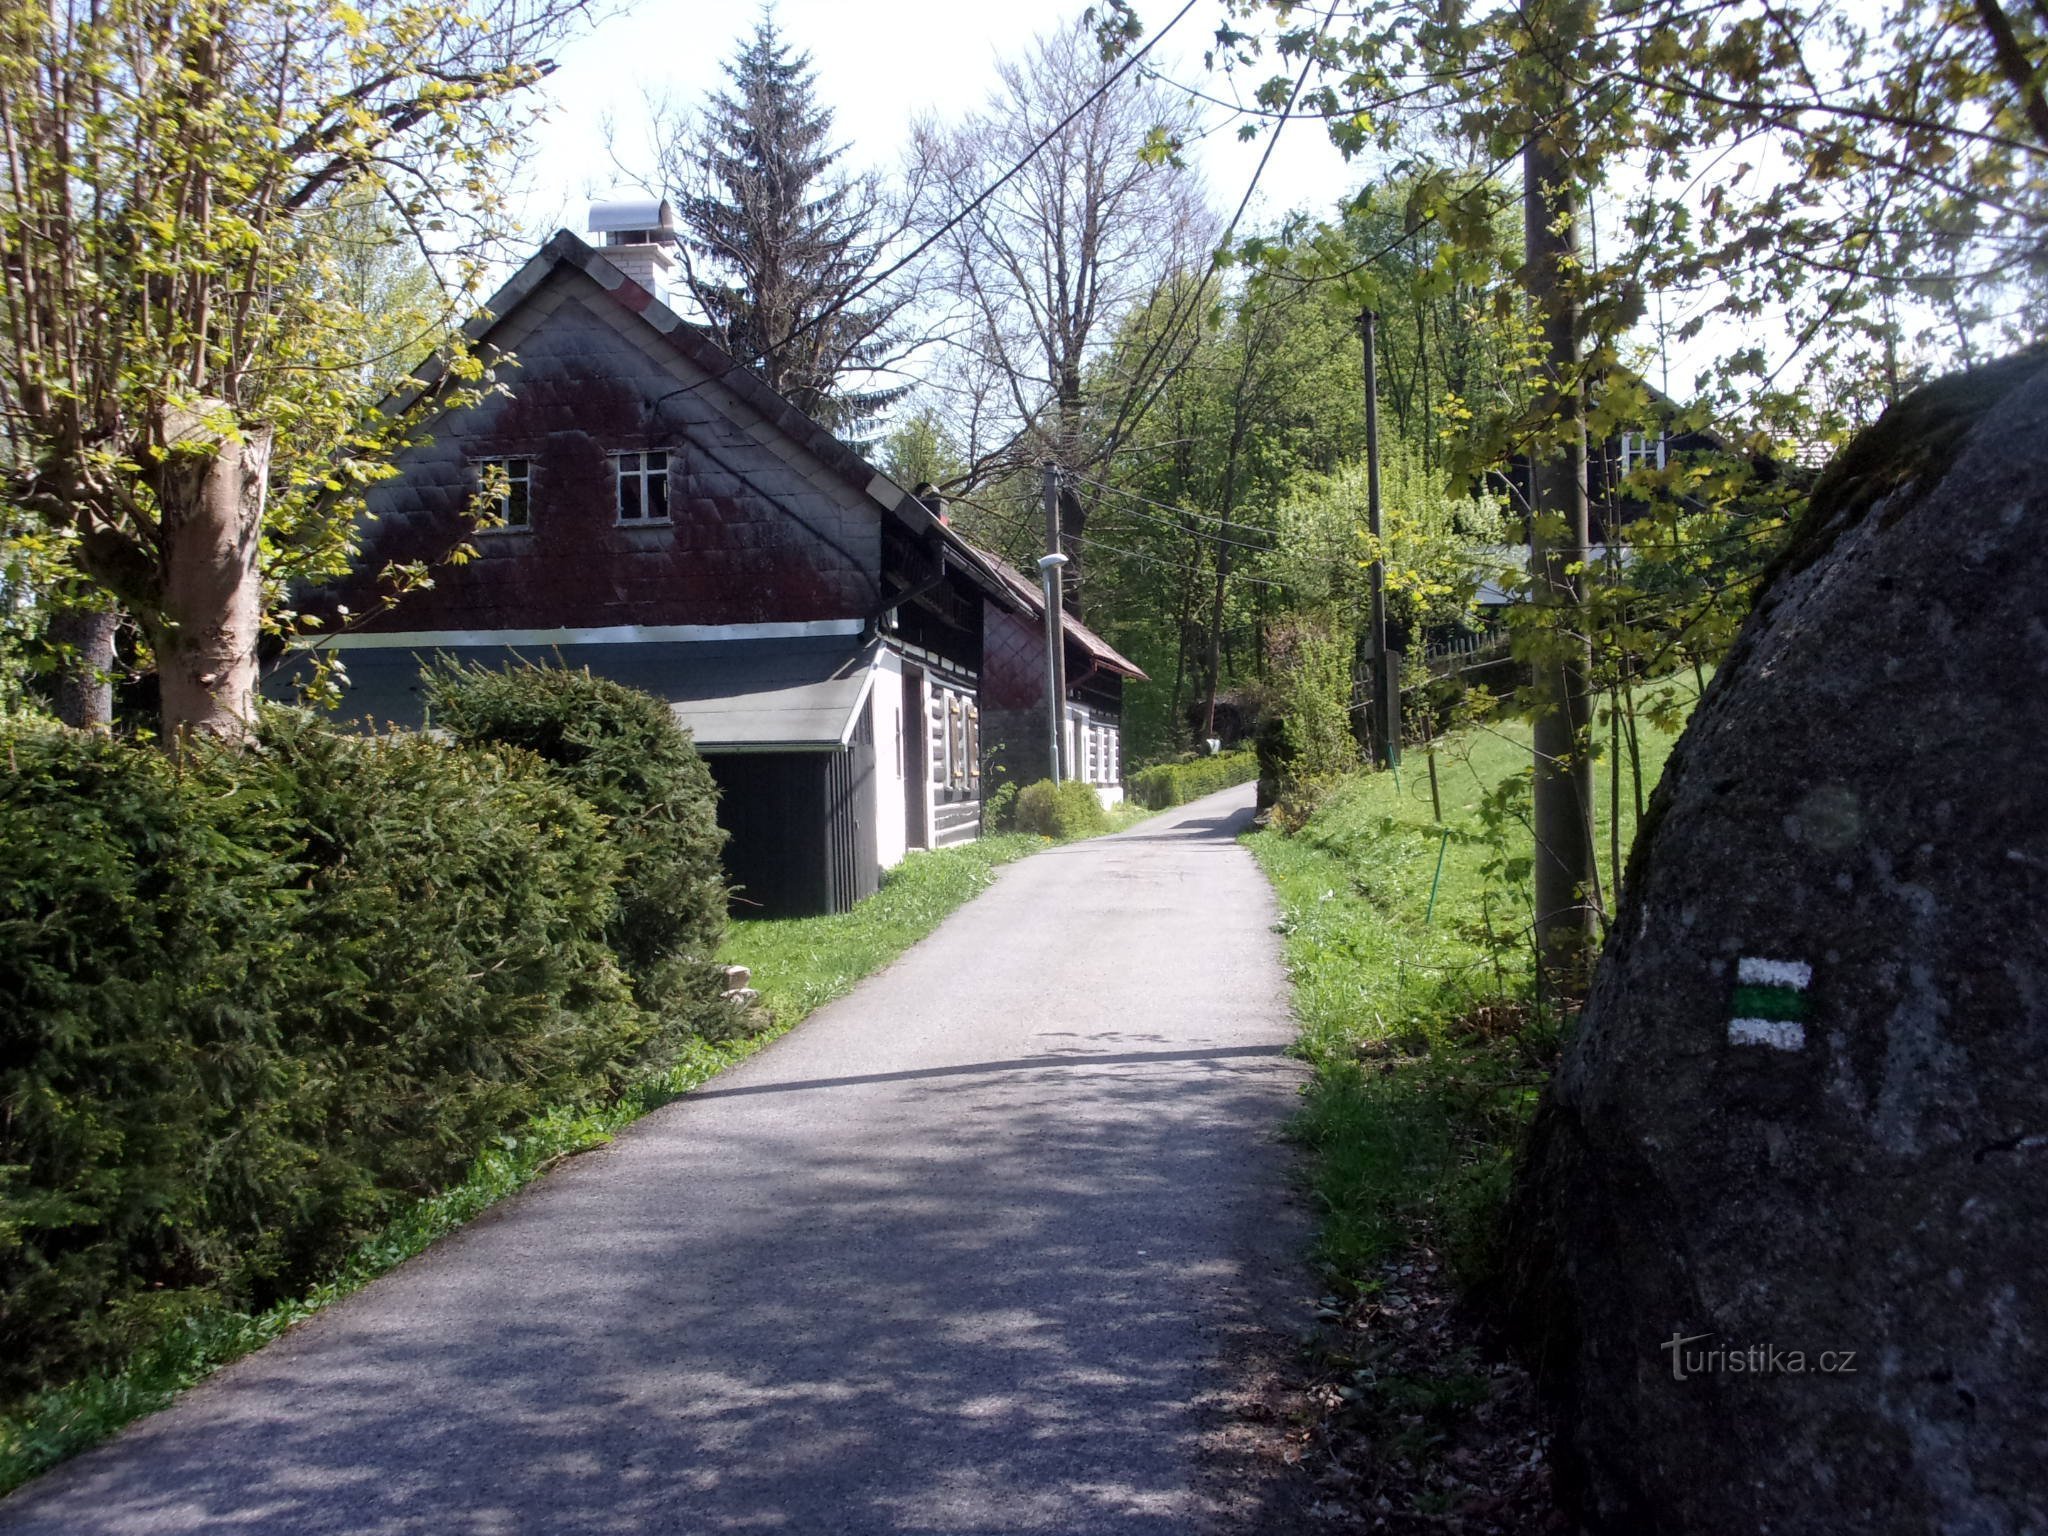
[(1769, 1003)]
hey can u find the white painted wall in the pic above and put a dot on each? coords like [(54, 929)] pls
[(892, 756)]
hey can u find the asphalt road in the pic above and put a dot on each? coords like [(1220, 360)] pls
[(976, 1249)]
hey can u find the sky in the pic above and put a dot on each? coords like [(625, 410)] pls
[(880, 64)]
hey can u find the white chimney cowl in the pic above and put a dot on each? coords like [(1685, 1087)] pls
[(639, 239)]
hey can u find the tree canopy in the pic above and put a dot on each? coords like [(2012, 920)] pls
[(185, 371)]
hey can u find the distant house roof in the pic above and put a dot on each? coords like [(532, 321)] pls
[(789, 695), (1033, 599)]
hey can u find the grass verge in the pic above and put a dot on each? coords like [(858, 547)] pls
[(1407, 943), (1406, 938), (798, 964)]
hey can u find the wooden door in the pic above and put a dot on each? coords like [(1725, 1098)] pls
[(917, 770)]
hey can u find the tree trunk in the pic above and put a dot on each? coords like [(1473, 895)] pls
[(1563, 789), (83, 630), (212, 494)]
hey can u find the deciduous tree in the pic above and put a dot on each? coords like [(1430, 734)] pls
[(186, 384), (1045, 270)]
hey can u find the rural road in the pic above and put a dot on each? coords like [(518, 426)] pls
[(980, 1248)]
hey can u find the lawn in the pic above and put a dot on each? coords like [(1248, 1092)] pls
[(1428, 1053)]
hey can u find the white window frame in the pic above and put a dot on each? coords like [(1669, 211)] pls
[(522, 480), (642, 472), (1638, 450)]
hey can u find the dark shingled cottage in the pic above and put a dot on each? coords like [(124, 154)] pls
[(671, 522)]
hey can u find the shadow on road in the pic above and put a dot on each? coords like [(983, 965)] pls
[(975, 1069), (975, 1314)]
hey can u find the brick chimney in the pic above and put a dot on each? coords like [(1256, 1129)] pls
[(640, 240)]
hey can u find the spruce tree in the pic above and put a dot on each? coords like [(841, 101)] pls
[(777, 238)]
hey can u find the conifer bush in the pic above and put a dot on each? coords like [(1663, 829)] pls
[(621, 750), (252, 1000)]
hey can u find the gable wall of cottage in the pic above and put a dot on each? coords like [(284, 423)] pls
[(759, 531)]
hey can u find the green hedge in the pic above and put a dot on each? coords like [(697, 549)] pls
[(252, 1002), (1171, 784), (622, 751), (1064, 810)]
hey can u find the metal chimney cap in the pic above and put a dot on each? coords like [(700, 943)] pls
[(1047, 562), (645, 214)]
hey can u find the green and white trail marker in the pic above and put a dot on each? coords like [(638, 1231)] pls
[(1770, 1003)]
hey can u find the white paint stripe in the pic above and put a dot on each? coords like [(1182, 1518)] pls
[(1752, 972), (616, 634), (1781, 1034)]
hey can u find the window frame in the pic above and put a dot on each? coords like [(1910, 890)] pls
[(1638, 449), (481, 463), (643, 473)]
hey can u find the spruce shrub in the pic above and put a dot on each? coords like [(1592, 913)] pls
[(253, 1000), (449, 974), (1061, 811), (621, 750), (131, 934)]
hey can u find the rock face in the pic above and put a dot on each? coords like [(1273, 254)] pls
[(1784, 1213)]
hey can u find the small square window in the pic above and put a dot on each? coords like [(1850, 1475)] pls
[(1639, 450), (642, 480), (513, 504)]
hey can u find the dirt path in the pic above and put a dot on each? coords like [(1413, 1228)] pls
[(976, 1249)]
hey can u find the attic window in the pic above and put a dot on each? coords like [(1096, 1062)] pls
[(643, 486), (514, 502), (1639, 450)]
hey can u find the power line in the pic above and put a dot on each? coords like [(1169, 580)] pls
[(1205, 537), (987, 192), (1188, 512), (1172, 565)]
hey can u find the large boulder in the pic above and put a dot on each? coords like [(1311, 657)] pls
[(1783, 1220)]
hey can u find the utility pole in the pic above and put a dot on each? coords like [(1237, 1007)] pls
[(1563, 787), (1049, 568), (1384, 707)]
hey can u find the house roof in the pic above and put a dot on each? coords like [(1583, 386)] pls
[(733, 695), (1022, 588)]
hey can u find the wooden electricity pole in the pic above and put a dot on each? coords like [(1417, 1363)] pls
[(1563, 788)]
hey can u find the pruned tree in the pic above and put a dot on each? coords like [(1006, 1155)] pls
[(186, 379), (781, 243), (1096, 224)]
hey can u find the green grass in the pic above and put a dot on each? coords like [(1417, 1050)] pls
[(1427, 1054), (802, 963), (798, 964)]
